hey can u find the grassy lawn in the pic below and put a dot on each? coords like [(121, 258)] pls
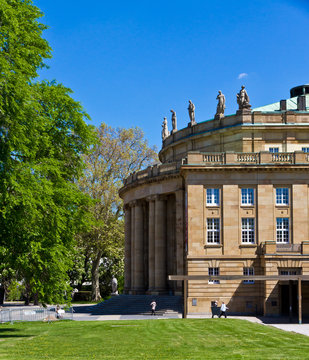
[(150, 339)]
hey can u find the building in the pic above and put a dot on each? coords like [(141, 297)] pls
[(230, 197)]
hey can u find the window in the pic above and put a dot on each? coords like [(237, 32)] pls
[(248, 271), (305, 149), (247, 230), (213, 272), (273, 150), (282, 196), (213, 231), (247, 196), (282, 230), (212, 197), (296, 271)]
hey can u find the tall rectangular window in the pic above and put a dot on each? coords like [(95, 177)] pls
[(305, 149), (282, 196), (282, 230), (274, 149), (247, 230), (248, 271), (212, 197), (247, 196), (213, 231), (213, 272)]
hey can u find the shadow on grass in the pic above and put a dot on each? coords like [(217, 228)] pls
[(11, 333)]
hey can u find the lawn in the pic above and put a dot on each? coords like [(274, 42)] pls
[(150, 339)]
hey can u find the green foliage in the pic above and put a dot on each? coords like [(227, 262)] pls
[(15, 290), (117, 153), (42, 137), (194, 339)]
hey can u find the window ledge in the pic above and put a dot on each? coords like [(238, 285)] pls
[(213, 246), (248, 245)]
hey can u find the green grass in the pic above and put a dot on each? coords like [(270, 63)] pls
[(184, 339)]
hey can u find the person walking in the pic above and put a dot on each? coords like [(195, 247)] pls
[(153, 305), (223, 309)]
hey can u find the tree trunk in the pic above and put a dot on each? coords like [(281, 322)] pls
[(95, 293)]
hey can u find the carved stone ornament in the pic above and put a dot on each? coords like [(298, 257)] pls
[(243, 99), (220, 105), (174, 121), (191, 110), (165, 133)]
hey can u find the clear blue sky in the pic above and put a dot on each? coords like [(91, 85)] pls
[(130, 62)]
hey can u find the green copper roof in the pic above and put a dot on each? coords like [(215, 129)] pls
[(291, 104)]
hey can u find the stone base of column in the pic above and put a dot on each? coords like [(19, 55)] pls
[(178, 293), (159, 292), (138, 292)]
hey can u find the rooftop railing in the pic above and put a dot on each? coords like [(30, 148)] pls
[(220, 159), (247, 158)]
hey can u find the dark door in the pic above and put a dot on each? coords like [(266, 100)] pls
[(285, 299)]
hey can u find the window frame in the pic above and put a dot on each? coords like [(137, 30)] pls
[(245, 194), (248, 271), (281, 232), (247, 230), (273, 150), (213, 232), (284, 198), (213, 271), (305, 149), (214, 193)]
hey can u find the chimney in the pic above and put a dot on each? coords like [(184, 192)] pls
[(282, 105), (301, 103)]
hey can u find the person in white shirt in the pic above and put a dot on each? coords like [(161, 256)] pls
[(223, 309), (153, 305)]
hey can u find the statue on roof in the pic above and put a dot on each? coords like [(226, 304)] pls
[(174, 121), (220, 105), (243, 99), (191, 109), (165, 132)]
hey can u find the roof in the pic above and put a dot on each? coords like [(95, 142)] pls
[(291, 104)]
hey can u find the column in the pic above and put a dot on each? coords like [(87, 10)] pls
[(127, 249), (138, 249), (132, 244), (151, 245), (179, 238), (160, 245)]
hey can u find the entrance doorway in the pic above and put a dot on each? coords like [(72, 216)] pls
[(286, 298)]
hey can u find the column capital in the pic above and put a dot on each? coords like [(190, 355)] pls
[(151, 198)]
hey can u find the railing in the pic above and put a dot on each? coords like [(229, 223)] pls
[(214, 158), (283, 158), (34, 314), (263, 157), (288, 248), (248, 158), (219, 158)]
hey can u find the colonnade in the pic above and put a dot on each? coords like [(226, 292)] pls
[(154, 243)]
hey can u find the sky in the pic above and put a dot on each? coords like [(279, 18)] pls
[(130, 62)]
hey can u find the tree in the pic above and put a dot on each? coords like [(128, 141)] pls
[(117, 153), (42, 137)]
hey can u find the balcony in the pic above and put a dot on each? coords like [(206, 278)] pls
[(271, 247), (260, 158)]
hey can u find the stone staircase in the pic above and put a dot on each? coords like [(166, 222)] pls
[(135, 305)]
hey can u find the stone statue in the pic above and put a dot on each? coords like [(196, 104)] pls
[(220, 105), (114, 286), (165, 132), (174, 121), (243, 99), (191, 109)]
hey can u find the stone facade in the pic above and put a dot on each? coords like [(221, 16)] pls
[(231, 197)]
